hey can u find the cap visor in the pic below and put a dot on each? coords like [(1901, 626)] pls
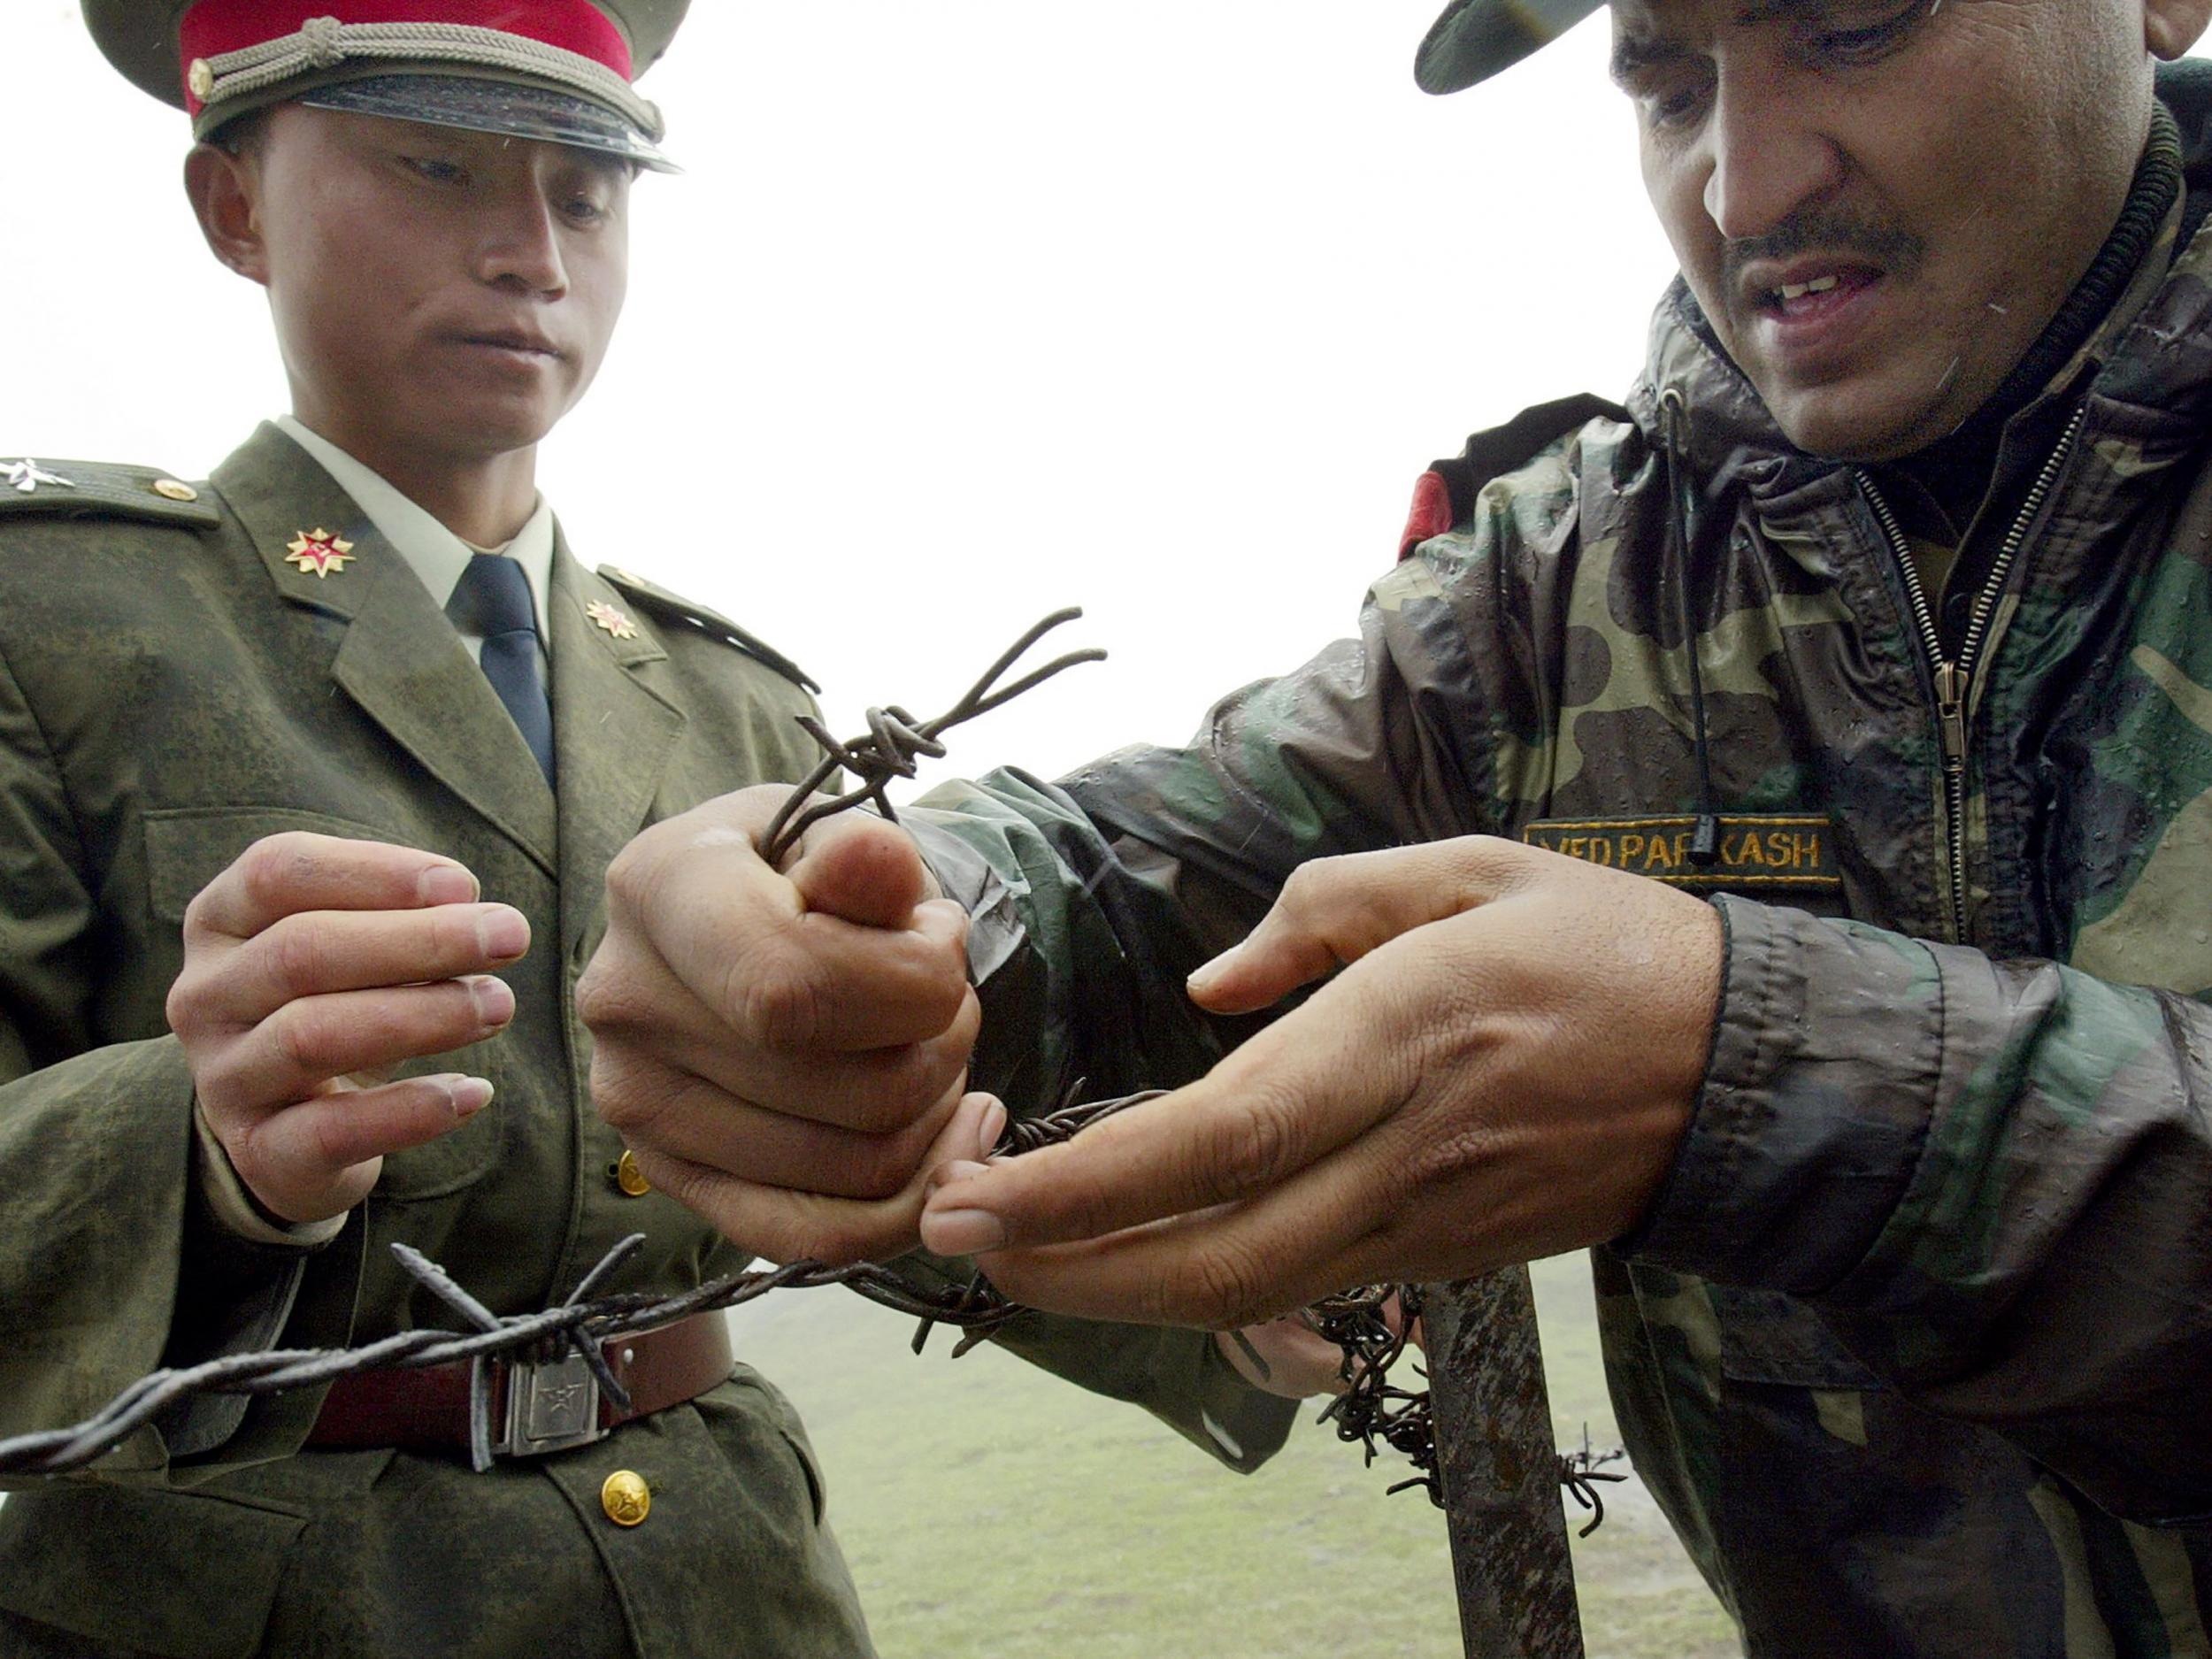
[(1476, 39), (513, 109)]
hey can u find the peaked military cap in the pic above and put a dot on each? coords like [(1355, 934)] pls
[(557, 69), (1475, 39)]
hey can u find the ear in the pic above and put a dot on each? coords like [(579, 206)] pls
[(2170, 27), (225, 197)]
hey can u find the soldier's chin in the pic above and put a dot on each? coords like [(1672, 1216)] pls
[(499, 428), (1859, 419)]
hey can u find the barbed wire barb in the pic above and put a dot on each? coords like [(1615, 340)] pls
[(896, 741)]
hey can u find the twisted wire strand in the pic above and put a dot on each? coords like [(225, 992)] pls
[(577, 1325), (896, 742)]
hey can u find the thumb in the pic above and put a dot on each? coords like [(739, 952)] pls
[(1335, 910), (861, 869), (1275, 958)]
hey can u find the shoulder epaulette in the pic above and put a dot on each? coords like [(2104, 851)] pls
[(101, 489), (1446, 493), (656, 598)]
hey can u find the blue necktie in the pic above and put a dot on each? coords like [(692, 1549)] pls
[(492, 600)]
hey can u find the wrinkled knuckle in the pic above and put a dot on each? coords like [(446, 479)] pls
[(635, 870), (1305, 894), (632, 1099), (606, 998), (780, 1004), (1251, 1150), (1220, 1288), (181, 1007), (297, 957), (1510, 865), (275, 865), (301, 1040), (196, 923), (1441, 1161)]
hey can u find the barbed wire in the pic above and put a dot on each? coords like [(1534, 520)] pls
[(1373, 1325), (578, 1327), (896, 742)]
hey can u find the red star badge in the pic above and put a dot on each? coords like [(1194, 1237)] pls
[(605, 615), (319, 551)]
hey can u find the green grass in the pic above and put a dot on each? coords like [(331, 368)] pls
[(992, 1512)]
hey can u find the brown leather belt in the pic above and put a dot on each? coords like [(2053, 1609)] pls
[(537, 1407)]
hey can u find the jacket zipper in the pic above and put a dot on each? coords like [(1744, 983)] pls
[(1954, 677)]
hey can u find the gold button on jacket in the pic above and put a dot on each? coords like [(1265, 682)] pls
[(625, 1498)]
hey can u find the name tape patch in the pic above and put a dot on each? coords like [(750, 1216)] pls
[(1757, 850)]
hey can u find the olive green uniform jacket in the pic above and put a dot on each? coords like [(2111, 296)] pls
[(1916, 1347), (172, 688)]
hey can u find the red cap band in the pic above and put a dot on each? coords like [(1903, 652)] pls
[(213, 27)]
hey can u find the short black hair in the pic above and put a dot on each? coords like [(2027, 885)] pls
[(242, 134)]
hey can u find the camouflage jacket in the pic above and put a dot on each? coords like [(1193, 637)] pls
[(172, 687), (1916, 1346)]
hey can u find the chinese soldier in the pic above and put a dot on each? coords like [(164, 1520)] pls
[(310, 773)]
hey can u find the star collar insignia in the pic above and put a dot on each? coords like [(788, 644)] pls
[(27, 475), (605, 615), (320, 551)]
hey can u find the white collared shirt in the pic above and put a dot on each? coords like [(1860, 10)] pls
[(435, 554)]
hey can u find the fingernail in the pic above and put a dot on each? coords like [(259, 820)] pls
[(503, 934), (470, 1095), (447, 884), (1205, 977), (993, 1126), (963, 1231), (495, 1002)]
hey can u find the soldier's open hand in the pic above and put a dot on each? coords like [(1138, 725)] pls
[(786, 1050), (314, 965), (1504, 1070)]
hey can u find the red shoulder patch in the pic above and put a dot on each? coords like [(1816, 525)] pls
[(1432, 513)]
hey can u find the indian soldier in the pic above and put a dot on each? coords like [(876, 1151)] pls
[(309, 776), (1760, 832)]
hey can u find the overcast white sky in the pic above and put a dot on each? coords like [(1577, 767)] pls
[(964, 310)]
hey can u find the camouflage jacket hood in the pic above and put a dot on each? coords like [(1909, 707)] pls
[(1915, 1347)]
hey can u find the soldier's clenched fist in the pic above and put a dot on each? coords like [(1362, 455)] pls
[(310, 966), (785, 1051)]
